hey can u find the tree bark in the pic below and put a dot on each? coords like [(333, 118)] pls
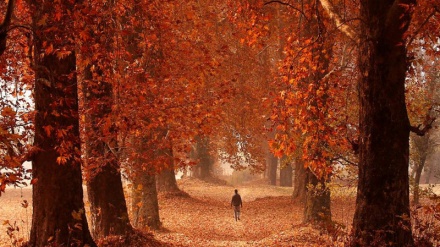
[(107, 203), (58, 208), (421, 148), (104, 186), (317, 200), (286, 174), (417, 176), (429, 174), (166, 181), (300, 182), (203, 168), (145, 206), (382, 205), (272, 166)]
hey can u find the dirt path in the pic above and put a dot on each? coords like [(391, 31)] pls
[(206, 218)]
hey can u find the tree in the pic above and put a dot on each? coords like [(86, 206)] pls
[(420, 149), (422, 96), (272, 167), (305, 112), (4, 26), (58, 208), (205, 160), (285, 173), (145, 206), (16, 108), (382, 204), (103, 174), (299, 182), (166, 179)]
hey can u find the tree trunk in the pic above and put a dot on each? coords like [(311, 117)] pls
[(272, 166), (429, 174), (145, 207), (317, 200), (104, 186), (418, 174), (166, 181), (58, 208), (203, 168), (286, 174), (107, 203), (382, 204), (300, 182)]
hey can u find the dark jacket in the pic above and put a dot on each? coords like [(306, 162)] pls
[(236, 200)]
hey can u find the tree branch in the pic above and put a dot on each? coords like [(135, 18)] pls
[(289, 5), (5, 25), (340, 24), (421, 132), (422, 25)]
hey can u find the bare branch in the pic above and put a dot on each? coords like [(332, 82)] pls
[(340, 24), (289, 5), (422, 25), (421, 132)]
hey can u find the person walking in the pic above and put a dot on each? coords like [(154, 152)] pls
[(237, 204)]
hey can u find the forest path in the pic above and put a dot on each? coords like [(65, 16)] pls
[(269, 216), (206, 217)]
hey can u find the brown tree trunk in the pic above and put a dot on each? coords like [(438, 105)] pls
[(272, 166), (58, 208), (285, 174), (417, 176), (107, 203), (104, 186), (382, 204), (166, 181), (317, 200), (421, 146), (300, 182), (203, 168), (145, 206), (429, 174)]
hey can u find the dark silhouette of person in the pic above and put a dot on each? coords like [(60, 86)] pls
[(237, 204)]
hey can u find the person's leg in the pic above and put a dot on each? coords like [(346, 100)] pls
[(235, 214)]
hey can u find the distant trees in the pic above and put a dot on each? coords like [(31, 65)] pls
[(286, 174)]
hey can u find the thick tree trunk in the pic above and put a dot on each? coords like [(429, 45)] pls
[(286, 174), (300, 182), (166, 181), (203, 168), (317, 201), (58, 209), (104, 186), (145, 207), (272, 166), (382, 205), (107, 203)]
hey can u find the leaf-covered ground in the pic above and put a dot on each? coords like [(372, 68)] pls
[(205, 218), (269, 217)]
